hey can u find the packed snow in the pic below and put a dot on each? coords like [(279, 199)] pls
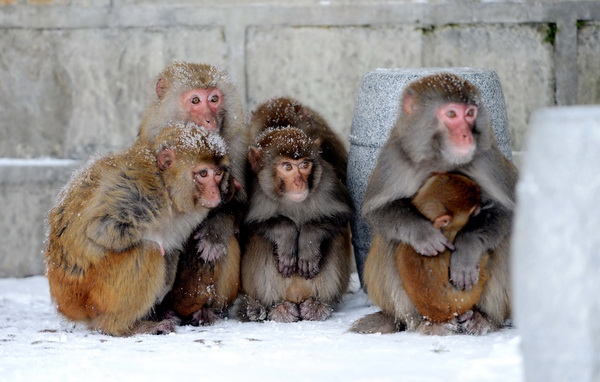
[(36, 344)]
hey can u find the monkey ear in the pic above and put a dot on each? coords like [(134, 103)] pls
[(318, 142), (165, 158), (255, 159), (161, 88), (442, 221), (408, 103)]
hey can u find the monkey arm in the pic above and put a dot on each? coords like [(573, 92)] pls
[(399, 221), (283, 233), (482, 233), (122, 214), (311, 237), (216, 231)]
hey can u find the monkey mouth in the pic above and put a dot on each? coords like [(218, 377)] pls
[(297, 196)]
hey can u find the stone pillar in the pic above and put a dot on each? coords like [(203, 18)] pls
[(376, 111), (556, 246)]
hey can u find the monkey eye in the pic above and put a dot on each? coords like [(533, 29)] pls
[(304, 165), (451, 113), (203, 173), (195, 100), (471, 113), (214, 98), (219, 171), (287, 166)]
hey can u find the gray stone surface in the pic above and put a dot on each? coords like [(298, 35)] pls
[(72, 93), (588, 64), (556, 261), (27, 192), (322, 67), (526, 68), (377, 108)]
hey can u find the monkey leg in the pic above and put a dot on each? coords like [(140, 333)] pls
[(385, 287), (125, 288), (495, 302)]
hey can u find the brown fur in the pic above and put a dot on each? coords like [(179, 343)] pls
[(418, 146), (214, 246), (104, 263), (448, 200), (297, 257)]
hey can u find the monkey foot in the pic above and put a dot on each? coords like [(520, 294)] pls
[(439, 329), (314, 310), (475, 323), (378, 322), (204, 317), (151, 327), (250, 309), (284, 312)]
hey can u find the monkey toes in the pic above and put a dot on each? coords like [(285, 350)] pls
[(314, 310), (204, 317), (285, 312), (475, 323)]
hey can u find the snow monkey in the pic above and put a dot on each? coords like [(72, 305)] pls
[(442, 127), (448, 200), (209, 274), (120, 222), (297, 257)]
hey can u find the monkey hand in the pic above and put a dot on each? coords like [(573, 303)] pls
[(287, 263), (209, 250), (214, 236), (432, 243), (308, 261), (464, 270)]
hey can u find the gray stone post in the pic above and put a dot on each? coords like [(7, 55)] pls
[(376, 110), (556, 246)]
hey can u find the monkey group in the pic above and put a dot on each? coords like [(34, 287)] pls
[(210, 214)]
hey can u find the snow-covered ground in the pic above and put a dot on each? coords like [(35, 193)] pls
[(36, 344)]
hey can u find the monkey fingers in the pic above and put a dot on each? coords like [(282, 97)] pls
[(286, 311), (287, 263), (210, 251), (314, 310), (433, 244), (308, 268), (464, 270)]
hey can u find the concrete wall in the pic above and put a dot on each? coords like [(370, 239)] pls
[(75, 74)]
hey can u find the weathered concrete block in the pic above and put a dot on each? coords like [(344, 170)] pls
[(556, 256), (377, 108), (322, 67), (512, 51), (588, 65), (72, 93), (27, 192)]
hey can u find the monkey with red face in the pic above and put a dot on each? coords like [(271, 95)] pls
[(297, 257), (443, 127), (120, 223), (208, 276)]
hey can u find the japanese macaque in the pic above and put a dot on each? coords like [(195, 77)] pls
[(209, 270), (284, 112), (120, 223), (297, 257), (443, 127), (448, 200)]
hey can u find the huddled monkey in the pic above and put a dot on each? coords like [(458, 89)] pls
[(448, 200), (442, 126), (208, 278), (297, 258), (120, 222)]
